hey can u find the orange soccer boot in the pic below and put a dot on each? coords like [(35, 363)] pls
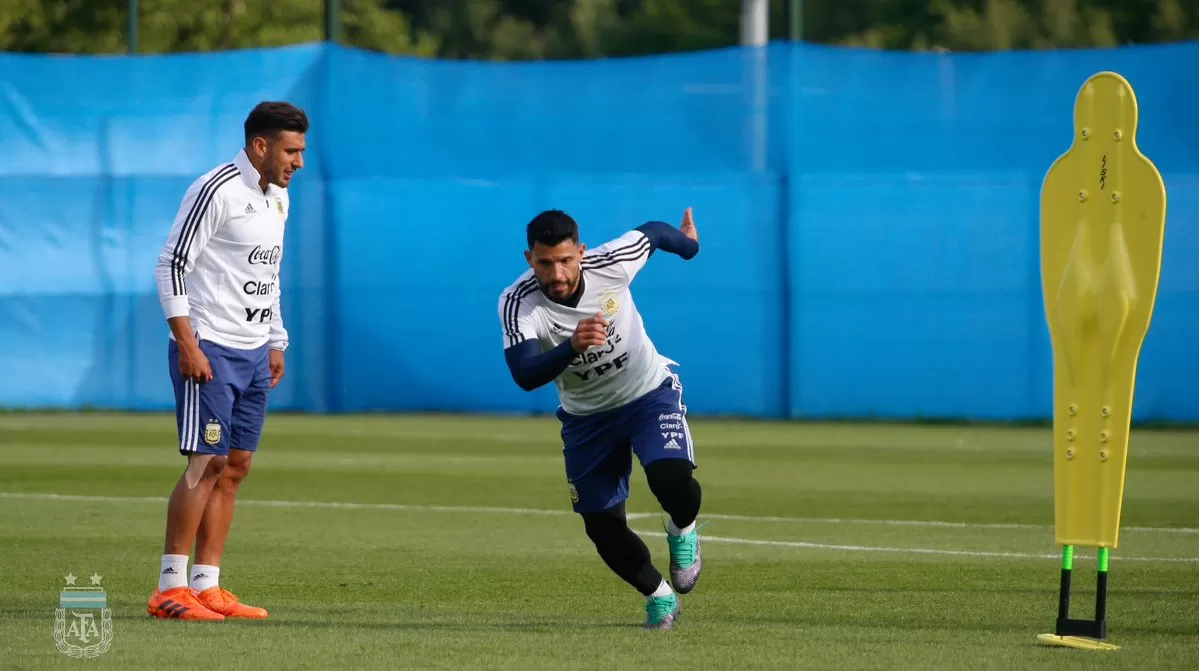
[(179, 603), (221, 600)]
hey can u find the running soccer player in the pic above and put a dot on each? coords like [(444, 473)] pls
[(218, 282), (571, 319)]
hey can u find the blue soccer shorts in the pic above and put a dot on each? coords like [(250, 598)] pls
[(228, 411), (598, 448)]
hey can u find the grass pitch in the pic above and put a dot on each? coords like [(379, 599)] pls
[(415, 542)]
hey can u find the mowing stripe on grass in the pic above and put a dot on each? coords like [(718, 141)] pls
[(32, 496), (335, 505), (928, 523)]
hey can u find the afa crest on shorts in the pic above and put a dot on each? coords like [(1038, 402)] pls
[(574, 493), (212, 432), (83, 621)]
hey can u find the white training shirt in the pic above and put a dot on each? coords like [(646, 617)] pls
[(220, 264), (601, 378)]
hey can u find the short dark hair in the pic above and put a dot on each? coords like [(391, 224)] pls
[(268, 119), (551, 227)]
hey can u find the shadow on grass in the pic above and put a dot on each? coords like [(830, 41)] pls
[(336, 622), (545, 626)]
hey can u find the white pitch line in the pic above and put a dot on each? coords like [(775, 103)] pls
[(335, 505), (932, 524), (332, 505), (928, 551)]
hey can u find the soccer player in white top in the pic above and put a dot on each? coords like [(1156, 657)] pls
[(571, 319), (218, 282)]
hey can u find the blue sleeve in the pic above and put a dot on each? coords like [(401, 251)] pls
[(532, 368), (669, 239)]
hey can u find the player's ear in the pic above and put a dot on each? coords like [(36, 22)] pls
[(529, 258), (582, 249)]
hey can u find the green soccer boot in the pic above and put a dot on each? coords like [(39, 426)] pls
[(686, 560), (661, 612)]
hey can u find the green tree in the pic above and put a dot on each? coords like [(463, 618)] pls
[(1172, 22), (74, 26), (584, 29), (561, 29), (1018, 24), (99, 26), (990, 25), (676, 25), (482, 29)]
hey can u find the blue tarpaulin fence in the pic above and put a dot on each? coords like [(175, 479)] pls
[(869, 220)]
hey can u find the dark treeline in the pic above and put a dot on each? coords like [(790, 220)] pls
[(570, 29)]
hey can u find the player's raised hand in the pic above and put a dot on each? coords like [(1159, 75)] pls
[(688, 226), (193, 365), (591, 332)]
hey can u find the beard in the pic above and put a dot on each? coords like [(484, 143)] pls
[(555, 289)]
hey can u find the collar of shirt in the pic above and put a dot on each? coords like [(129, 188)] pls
[(249, 173)]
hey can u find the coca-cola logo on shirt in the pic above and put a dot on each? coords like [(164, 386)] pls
[(266, 257)]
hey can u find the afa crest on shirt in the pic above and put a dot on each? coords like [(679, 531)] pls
[(212, 432), (279, 206), (609, 305)]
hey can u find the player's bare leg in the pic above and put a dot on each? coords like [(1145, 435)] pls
[(210, 541), (218, 514), (172, 599), (189, 500)]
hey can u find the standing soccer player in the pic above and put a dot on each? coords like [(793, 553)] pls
[(571, 319), (218, 281)]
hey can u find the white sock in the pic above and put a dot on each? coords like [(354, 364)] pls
[(663, 590), (174, 572), (675, 531), (205, 576)]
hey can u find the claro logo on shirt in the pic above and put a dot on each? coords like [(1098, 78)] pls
[(253, 288), (266, 257)]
